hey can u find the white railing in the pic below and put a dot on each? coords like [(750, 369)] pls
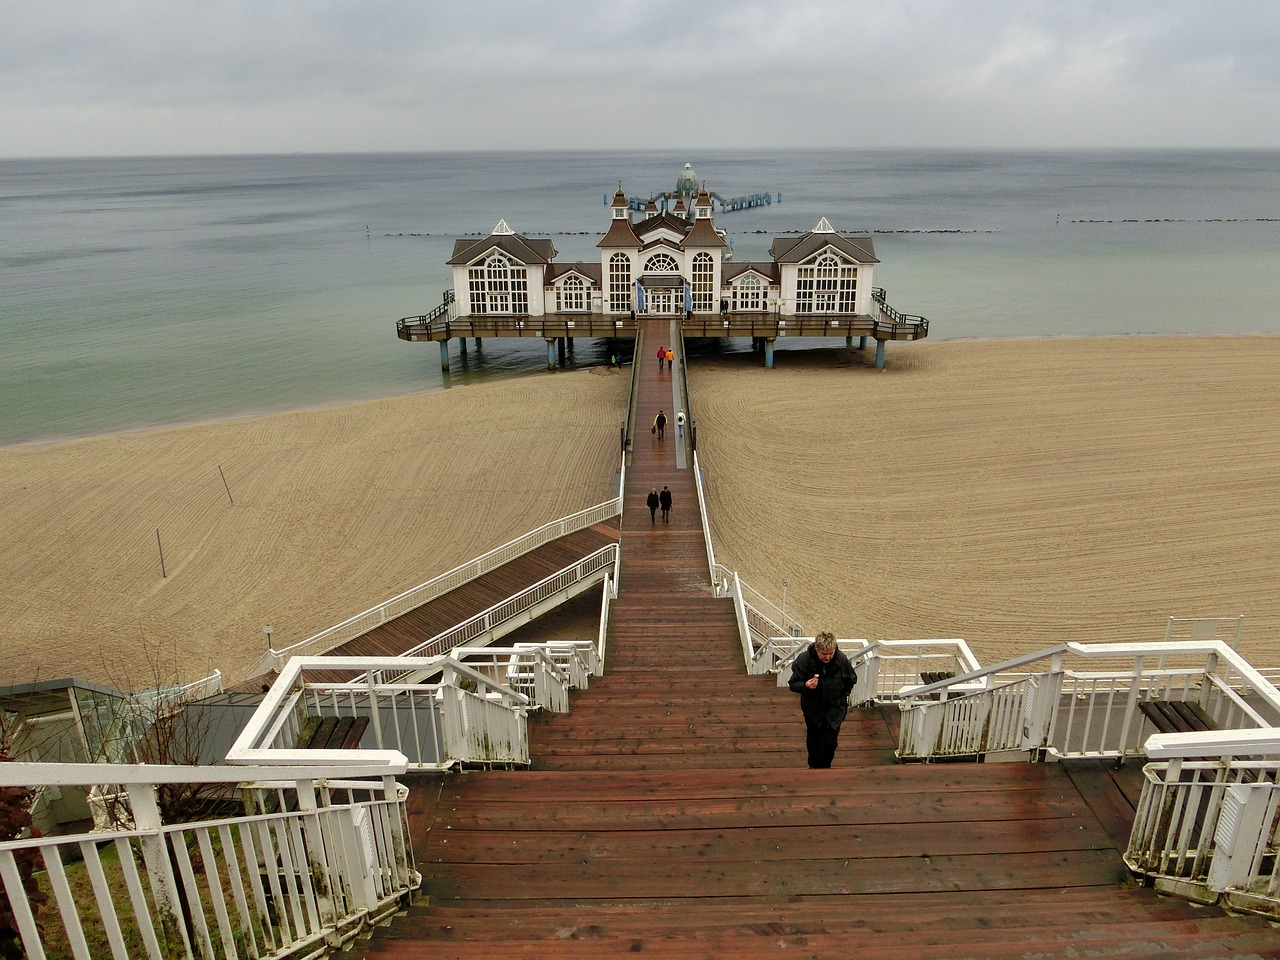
[(1082, 712), (542, 672), (517, 610), (1212, 825), (438, 586), (432, 713), (706, 521), (267, 885), (759, 621)]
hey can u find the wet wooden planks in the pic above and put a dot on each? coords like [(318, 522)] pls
[(671, 814)]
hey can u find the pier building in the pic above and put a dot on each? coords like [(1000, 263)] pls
[(668, 262)]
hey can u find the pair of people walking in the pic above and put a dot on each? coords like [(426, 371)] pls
[(667, 354), (656, 500)]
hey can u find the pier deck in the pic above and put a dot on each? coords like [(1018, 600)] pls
[(671, 813)]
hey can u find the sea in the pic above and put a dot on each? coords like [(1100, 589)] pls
[(138, 292)]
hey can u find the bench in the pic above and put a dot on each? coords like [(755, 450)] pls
[(333, 733), (1177, 716)]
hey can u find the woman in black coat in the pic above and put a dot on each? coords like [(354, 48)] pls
[(652, 504)]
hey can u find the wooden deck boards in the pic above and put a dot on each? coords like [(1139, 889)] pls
[(671, 813)]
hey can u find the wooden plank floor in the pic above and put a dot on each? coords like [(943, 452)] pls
[(421, 624), (671, 814)]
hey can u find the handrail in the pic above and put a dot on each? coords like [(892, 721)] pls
[(268, 884), (466, 631), (706, 522), (428, 318), (892, 317), (1093, 713), (437, 586)]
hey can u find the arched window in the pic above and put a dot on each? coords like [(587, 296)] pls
[(827, 285), (661, 263), (704, 274), (571, 296), (749, 294), (496, 285), (619, 283)]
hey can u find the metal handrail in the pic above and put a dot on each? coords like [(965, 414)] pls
[(437, 586)]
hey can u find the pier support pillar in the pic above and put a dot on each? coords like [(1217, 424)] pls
[(477, 343), (768, 353), (551, 353), (848, 341), (569, 341), (444, 356), (862, 343), (560, 344), (462, 346), (879, 354)]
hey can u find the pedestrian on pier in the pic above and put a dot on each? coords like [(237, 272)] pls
[(652, 503), (680, 424), (660, 424), (664, 500), (671, 356), (824, 678), (662, 355)]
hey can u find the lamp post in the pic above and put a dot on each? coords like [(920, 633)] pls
[(268, 630)]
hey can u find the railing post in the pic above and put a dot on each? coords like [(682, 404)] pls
[(155, 854)]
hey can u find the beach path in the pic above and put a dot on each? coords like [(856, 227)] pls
[(671, 812)]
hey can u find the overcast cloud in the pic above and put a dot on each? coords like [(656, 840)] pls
[(105, 77)]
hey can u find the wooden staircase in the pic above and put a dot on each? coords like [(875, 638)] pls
[(671, 814)]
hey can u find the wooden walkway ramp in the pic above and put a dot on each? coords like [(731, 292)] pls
[(421, 624), (671, 814)]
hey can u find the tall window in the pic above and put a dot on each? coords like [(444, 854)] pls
[(571, 296), (749, 294), (619, 283), (498, 286), (704, 273), (661, 263), (828, 285)]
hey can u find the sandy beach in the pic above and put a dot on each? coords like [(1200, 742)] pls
[(335, 510), (1014, 493)]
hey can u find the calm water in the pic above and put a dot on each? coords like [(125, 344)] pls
[(146, 291)]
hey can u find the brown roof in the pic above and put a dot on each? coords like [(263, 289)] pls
[(704, 234), (520, 248), (620, 234), (732, 269), (799, 249), (664, 220), (590, 271)]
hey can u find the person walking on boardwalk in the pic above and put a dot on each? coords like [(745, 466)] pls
[(824, 678), (662, 355), (652, 504), (680, 424), (660, 424), (664, 500), (671, 356)]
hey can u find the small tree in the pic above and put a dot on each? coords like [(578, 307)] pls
[(15, 822)]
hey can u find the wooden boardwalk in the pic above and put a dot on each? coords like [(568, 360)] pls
[(671, 814), (417, 626)]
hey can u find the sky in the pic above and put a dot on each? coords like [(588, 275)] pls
[(147, 77)]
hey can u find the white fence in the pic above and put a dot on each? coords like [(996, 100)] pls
[(1067, 710), (268, 885), (432, 713), (524, 606), (438, 586)]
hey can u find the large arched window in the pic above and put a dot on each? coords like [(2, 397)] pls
[(661, 263), (619, 283), (749, 294), (571, 296), (704, 275), (497, 285), (827, 285)]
